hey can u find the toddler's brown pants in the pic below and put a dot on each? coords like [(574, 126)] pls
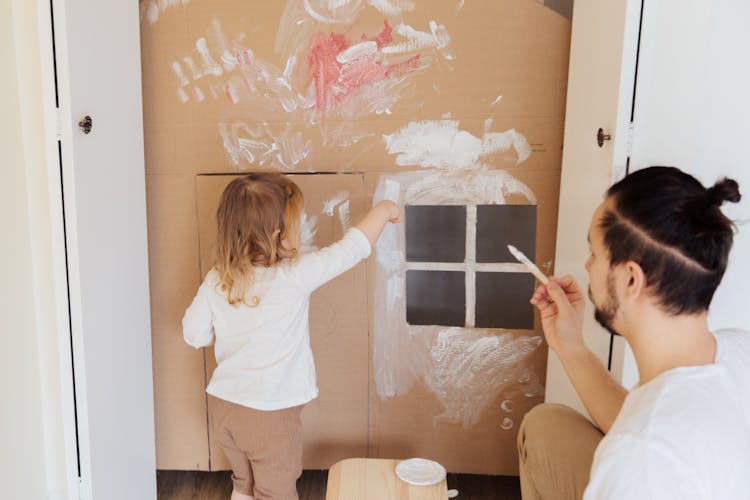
[(264, 447)]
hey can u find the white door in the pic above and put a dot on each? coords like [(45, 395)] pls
[(98, 75), (691, 111), (604, 42)]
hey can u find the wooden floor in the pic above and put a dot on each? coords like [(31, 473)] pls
[(182, 485)]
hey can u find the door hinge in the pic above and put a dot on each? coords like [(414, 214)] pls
[(58, 124)]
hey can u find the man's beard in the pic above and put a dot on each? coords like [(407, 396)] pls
[(605, 315)]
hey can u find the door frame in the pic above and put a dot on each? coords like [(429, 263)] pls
[(66, 225), (59, 278), (601, 86)]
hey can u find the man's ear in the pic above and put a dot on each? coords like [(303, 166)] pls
[(635, 280)]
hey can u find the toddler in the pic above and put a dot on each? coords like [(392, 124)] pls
[(254, 305)]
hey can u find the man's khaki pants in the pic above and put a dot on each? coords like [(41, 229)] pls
[(555, 449)]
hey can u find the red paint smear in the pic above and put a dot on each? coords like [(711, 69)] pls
[(229, 95), (384, 38), (335, 81)]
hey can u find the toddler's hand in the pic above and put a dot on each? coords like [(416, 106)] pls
[(392, 211)]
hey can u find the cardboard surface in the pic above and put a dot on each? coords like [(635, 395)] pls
[(179, 399), (230, 87)]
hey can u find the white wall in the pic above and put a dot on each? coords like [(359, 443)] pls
[(31, 419)]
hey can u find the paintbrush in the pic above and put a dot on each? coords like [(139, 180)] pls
[(520, 257)]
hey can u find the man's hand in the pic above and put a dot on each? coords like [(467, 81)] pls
[(561, 304)]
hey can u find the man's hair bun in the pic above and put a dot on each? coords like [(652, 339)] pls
[(725, 189)]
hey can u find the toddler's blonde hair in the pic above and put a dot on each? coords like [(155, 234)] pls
[(258, 218)]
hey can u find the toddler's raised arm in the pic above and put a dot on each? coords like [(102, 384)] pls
[(316, 268)]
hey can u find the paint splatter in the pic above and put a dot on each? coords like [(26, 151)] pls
[(440, 144), (339, 69)]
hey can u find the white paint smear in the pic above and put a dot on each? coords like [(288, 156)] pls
[(177, 68), (182, 96), (396, 285), (464, 188), (416, 40), (232, 93), (333, 11), (440, 144), (496, 101), (262, 145), (468, 368), (209, 64), (330, 204), (507, 424), (195, 73), (152, 14), (393, 7), (308, 229), (359, 50), (392, 190), (345, 215), (150, 11)]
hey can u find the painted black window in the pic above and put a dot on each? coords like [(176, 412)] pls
[(501, 225), (487, 289), (435, 233)]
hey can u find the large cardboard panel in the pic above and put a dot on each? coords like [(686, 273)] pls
[(229, 87), (179, 380), (335, 424), (418, 422)]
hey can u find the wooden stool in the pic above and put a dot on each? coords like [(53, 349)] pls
[(376, 479)]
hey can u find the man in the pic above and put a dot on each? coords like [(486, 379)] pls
[(659, 248)]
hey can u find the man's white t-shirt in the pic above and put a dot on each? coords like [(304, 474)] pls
[(263, 354), (683, 435)]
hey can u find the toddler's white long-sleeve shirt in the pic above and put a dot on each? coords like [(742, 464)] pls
[(263, 352)]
